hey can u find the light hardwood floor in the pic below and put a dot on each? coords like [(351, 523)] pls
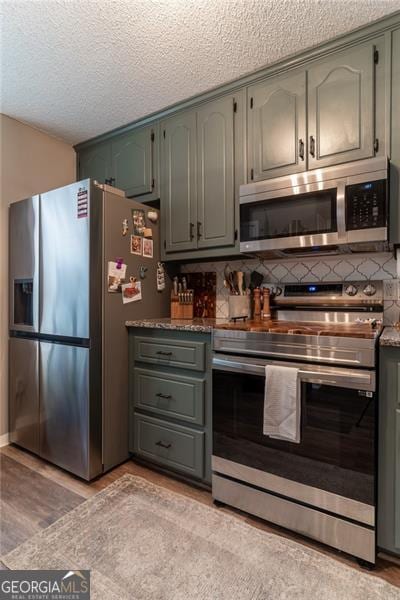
[(34, 494)]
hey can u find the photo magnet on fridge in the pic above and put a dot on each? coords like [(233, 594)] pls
[(136, 245), (116, 276), (139, 221), (147, 248), (160, 277), (131, 292)]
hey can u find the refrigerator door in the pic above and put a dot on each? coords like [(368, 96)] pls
[(24, 265), (64, 261), (24, 393), (65, 428)]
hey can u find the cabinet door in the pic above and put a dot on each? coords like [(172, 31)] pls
[(397, 483), (215, 174), (389, 450), (132, 161), (95, 162), (179, 194), (341, 108), (277, 127), (394, 188)]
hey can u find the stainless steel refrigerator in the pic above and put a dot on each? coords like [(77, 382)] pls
[(68, 345)]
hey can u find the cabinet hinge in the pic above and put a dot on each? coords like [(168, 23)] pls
[(236, 234), (251, 102), (152, 136), (376, 56), (376, 145), (164, 134), (234, 106), (252, 174)]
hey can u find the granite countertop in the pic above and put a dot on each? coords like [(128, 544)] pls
[(196, 325), (390, 337)]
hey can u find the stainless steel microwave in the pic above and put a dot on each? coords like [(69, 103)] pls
[(330, 210)]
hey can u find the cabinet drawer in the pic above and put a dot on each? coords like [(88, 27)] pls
[(174, 396), (173, 353), (174, 446)]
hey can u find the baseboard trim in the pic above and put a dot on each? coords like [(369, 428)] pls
[(4, 439), (393, 558)]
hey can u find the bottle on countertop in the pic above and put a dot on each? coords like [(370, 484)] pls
[(266, 310), (257, 304)]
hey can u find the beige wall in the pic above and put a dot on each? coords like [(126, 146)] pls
[(30, 162)]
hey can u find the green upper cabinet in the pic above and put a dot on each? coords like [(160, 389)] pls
[(276, 114), (95, 162), (215, 174), (132, 161), (198, 177), (128, 161), (395, 140), (178, 181), (341, 107)]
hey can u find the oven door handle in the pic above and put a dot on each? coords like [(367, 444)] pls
[(350, 378)]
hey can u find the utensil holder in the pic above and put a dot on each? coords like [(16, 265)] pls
[(239, 307)]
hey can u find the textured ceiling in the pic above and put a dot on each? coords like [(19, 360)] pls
[(77, 68)]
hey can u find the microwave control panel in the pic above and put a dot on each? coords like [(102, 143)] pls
[(366, 205)]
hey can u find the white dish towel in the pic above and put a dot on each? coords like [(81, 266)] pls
[(282, 403)]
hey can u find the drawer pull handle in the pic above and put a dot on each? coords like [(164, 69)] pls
[(161, 353), (165, 396), (162, 445)]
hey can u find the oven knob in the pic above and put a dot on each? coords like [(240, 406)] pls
[(278, 291), (351, 290), (369, 289)]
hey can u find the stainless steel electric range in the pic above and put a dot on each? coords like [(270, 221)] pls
[(325, 486)]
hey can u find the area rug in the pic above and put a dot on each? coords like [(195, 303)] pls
[(143, 542)]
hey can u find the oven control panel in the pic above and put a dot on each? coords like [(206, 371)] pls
[(362, 293), (366, 205)]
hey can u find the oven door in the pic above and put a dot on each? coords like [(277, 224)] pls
[(333, 466)]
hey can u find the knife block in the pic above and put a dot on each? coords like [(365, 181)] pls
[(181, 310)]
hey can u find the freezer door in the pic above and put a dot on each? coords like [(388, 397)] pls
[(24, 265), (24, 393), (65, 416), (64, 261)]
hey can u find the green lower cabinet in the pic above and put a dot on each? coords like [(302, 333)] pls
[(185, 354), (173, 396), (171, 445), (170, 400), (389, 451), (397, 484)]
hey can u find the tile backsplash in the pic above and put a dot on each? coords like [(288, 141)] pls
[(334, 268)]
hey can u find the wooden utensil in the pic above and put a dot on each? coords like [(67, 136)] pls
[(240, 282)]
